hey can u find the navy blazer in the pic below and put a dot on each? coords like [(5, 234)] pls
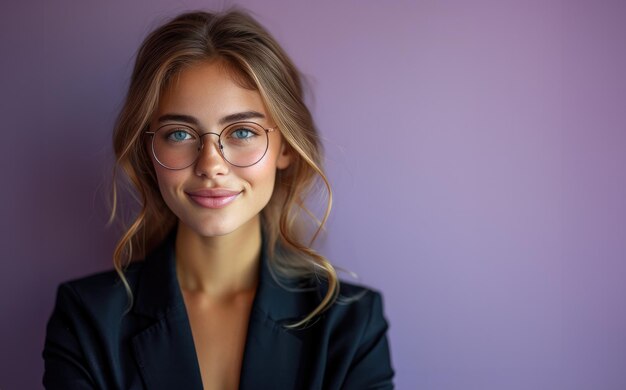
[(90, 342)]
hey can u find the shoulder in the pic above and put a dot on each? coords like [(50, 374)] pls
[(85, 327), (106, 282), (357, 306), (102, 292), (354, 335)]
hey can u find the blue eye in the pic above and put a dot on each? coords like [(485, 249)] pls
[(242, 133), (179, 135)]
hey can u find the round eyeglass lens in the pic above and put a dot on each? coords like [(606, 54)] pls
[(176, 146), (244, 144)]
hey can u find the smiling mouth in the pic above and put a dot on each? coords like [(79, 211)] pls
[(213, 198)]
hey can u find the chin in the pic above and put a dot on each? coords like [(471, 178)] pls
[(212, 228), (216, 226)]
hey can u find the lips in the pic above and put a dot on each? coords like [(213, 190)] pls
[(213, 198)]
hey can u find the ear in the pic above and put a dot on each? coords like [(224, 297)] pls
[(284, 156)]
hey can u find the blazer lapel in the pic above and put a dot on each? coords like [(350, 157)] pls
[(165, 350), (166, 354), (273, 357)]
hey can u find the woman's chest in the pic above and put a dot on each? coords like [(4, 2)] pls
[(219, 332)]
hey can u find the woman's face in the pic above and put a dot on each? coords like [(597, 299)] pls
[(213, 197)]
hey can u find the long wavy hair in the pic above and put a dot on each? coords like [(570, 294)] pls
[(259, 63)]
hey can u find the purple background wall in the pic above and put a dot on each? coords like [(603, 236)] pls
[(477, 151)]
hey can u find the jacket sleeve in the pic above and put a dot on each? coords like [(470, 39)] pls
[(371, 367), (64, 360)]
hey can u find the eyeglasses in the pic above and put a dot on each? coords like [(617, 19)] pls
[(241, 144)]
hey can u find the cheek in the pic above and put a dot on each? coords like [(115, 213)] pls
[(261, 179), (161, 175), (168, 181), (165, 177)]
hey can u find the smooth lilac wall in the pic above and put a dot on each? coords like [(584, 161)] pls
[(477, 151)]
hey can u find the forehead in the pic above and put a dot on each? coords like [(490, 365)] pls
[(208, 91)]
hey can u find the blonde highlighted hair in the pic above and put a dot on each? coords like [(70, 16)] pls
[(259, 63)]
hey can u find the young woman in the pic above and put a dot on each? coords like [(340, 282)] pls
[(221, 150)]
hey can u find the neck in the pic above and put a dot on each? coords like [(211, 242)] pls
[(220, 266)]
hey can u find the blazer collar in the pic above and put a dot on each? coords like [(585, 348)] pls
[(165, 351), (158, 291)]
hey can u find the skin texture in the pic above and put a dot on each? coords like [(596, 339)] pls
[(217, 250), (207, 92)]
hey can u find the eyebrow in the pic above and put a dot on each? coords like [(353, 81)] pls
[(236, 117), (241, 116)]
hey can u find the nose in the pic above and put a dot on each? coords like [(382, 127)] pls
[(210, 162)]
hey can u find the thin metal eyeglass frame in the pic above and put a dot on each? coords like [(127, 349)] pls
[(219, 143)]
